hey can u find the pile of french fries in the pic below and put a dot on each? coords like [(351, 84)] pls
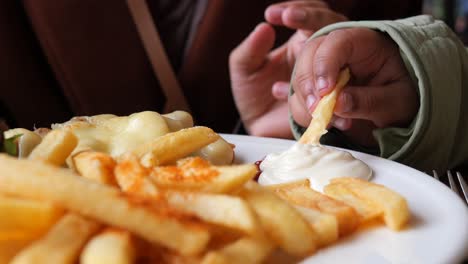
[(158, 204)]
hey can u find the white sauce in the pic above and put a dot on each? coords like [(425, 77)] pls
[(317, 163)]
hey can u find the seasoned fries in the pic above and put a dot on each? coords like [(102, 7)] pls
[(42, 181), (166, 196), (96, 166), (324, 111)]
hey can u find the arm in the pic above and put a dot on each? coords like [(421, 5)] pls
[(439, 65)]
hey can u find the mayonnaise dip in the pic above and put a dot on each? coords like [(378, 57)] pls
[(317, 163)]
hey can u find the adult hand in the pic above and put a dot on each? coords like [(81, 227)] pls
[(380, 93), (260, 77)]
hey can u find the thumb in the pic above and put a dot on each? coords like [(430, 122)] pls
[(251, 54)]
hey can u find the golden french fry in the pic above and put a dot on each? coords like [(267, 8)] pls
[(197, 174), (304, 196), (176, 145), (394, 206), (282, 222), (367, 211), (96, 166), (55, 147), (110, 246), (62, 244), (28, 216), (243, 251), (324, 111), (107, 204), (325, 225), (132, 177), (9, 247), (224, 210)]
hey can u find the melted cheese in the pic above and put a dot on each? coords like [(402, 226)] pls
[(116, 135)]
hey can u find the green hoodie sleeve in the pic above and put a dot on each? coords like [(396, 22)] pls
[(438, 136)]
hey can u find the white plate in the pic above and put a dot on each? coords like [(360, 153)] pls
[(438, 230)]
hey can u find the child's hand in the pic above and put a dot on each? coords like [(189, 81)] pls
[(380, 93)]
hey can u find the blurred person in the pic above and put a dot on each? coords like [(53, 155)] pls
[(62, 58), (260, 73)]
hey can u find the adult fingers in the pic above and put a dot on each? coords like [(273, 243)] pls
[(252, 53), (394, 104), (273, 13), (310, 19), (280, 90)]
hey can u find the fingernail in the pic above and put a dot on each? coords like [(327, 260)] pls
[(348, 103), (298, 15), (321, 83), (310, 100), (275, 11), (281, 89)]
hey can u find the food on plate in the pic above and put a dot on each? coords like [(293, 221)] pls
[(110, 246), (62, 244), (24, 140), (307, 159), (116, 135), (302, 195), (98, 190), (55, 147), (317, 163), (381, 199)]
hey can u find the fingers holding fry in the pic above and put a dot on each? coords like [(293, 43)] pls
[(323, 113)]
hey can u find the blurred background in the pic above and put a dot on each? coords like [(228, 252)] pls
[(453, 12)]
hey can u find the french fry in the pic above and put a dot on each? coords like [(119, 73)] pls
[(176, 145), (324, 111), (107, 204), (224, 210), (55, 147), (110, 246), (213, 179), (132, 177), (394, 206), (325, 225), (96, 166), (281, 221), (29, 216), (243, 251), (9, 247), (304, 196), (367, 211), (62, 244)]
